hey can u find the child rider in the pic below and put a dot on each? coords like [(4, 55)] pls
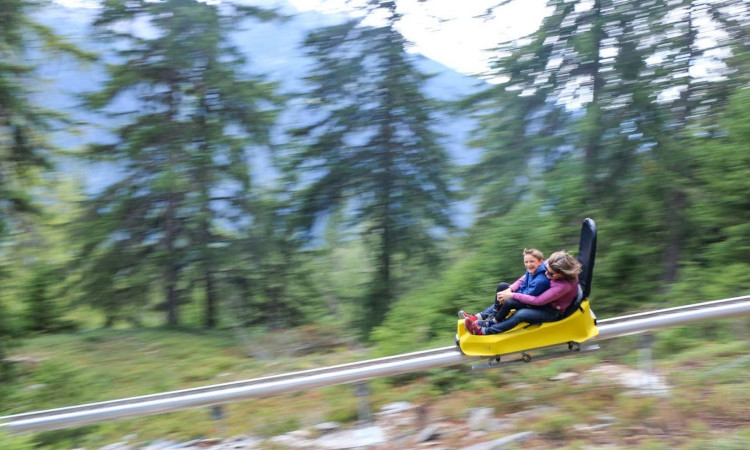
[(533, 282)]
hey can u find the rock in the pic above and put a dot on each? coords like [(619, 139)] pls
[(428, 434), (301, 434), (396, 407), (287, 440), (479, 418), (239, 443), (327, 427), (587, 428), (564, 376), (356, 438), (503, 442), (161, 444), (499, 424), (637, 381), (117, 446), (533, 412)]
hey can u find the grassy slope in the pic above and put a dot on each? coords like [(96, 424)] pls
[(708, 405)]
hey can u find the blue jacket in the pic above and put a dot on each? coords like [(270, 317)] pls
[(532, 284)]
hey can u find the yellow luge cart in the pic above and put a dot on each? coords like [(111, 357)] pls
[(574, 329), (578, 324)]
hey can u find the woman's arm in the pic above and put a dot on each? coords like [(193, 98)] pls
[(555, 292), (514, 287)]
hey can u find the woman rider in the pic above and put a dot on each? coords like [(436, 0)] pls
[(549, 306)]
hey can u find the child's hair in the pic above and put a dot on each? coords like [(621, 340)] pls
[(533, 252), (561, 262)]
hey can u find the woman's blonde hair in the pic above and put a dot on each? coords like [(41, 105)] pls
[(561, 262)]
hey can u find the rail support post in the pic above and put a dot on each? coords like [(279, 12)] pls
[(645, 354), (652, 383), (218, 415), (363, 402)]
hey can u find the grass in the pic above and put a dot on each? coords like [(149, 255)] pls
[(104, 365), (708, 402)]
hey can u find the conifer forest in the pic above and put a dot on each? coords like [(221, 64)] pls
[(189, 187)]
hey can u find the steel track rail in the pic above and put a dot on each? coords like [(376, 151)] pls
[(340, 374)]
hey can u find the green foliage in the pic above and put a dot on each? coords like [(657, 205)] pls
[(26, 152), (648, 169), (449, 379), (554, 426), (66, 438), (708, 382), (17, 442), (721, 208), (683, 339), (699, 283), (156, 232), (343, 413), (679, 339), (373, 154), (582, 123), (5, 334), (280, 427), (42, 313), (627, 274), (735, 441)]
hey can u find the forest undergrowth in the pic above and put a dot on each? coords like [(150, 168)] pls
[(705, 367)]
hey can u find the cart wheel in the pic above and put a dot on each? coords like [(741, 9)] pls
[(458, 344), (574, 346), (526, 357)]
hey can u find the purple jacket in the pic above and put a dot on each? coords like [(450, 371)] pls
[(560, 295)]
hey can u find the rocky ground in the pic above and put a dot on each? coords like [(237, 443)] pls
[(405, 425)]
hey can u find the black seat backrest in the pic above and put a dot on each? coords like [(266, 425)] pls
[(587, 255)]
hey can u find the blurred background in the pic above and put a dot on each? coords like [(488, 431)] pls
[(228, 185)]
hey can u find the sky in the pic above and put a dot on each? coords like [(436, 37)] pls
[(449, 31)]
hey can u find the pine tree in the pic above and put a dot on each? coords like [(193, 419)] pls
[(520, 126), (720, 183), (371, 149), (568, 90), (619, 149), (182, 152), (267, 269), (25, 151)]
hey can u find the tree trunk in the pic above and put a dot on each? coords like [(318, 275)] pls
[(593, 139), (172, 298), (210, 300)]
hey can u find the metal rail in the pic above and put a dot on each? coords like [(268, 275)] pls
[(345, 373)]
